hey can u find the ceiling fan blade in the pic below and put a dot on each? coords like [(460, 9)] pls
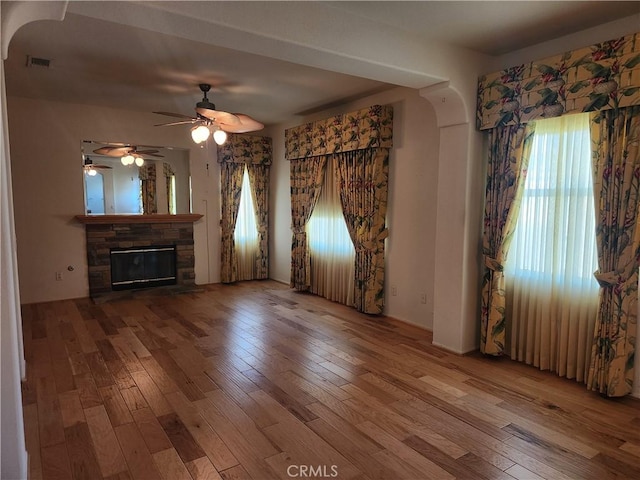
[(185, 122), (150, 153), (220, 117), (155, 147), (94, 166), (113, 151), (104, 150), (110, 144), (247, 124), (177, 115)]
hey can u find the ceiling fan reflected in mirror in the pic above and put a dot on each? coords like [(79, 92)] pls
[(209, 119), (91, 168), (129, 154)]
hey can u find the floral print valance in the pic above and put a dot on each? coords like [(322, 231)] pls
[(603, 76), (252, 149), (366, 128)]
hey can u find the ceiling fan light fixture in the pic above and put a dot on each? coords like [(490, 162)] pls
[(127, 159), (92, 172), (200, 133), (208, 120), (220, 136), (139, 161)]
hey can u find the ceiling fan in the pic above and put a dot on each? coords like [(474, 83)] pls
[(207, 116), (91, 168), (128, 153), (118, 150)]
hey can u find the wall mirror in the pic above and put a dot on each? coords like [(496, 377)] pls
[(120, 178)]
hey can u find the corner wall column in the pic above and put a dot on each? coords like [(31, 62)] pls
[(458, 224), (13, 454)]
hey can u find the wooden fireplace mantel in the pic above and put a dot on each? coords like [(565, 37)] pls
[(151, 218)]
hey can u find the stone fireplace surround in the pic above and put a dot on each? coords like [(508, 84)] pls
[(104, 232)]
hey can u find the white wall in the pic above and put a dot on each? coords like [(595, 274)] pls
[(13, 455), (48, 190), (413, 172)]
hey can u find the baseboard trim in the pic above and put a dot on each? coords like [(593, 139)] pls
[(452, 350)]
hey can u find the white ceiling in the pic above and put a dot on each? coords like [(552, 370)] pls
[(98, 59), (491, 27)]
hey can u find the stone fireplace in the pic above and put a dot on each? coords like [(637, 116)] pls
[(138, 235)]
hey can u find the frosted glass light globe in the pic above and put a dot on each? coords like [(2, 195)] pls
[(220, 136), (200, 133)]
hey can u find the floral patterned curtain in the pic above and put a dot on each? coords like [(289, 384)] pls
[(168, 174), (259, 180), (308, 147), (363, 177), (370, 127), (509, 150), (147, 175), (255, 152), (249, 149), (231, 179), (615, 136), (306, 182), (603, 76)]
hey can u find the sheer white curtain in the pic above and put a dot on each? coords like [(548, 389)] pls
[(246, 233), (331, 249), (552, 295)]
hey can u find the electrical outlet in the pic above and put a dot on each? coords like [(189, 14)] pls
[(394, 291), (423, 298), (58, 276)]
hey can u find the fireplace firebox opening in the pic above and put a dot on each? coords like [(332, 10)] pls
[(142, 267)]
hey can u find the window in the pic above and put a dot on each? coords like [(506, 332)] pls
[(246, 232), (551, 293), (330, 246), (554, 240)]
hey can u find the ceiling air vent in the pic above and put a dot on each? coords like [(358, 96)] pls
[(38, 62)]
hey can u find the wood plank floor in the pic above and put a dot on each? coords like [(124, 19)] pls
[(255, 381)]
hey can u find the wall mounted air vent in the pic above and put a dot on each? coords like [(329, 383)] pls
[(38, 62)]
